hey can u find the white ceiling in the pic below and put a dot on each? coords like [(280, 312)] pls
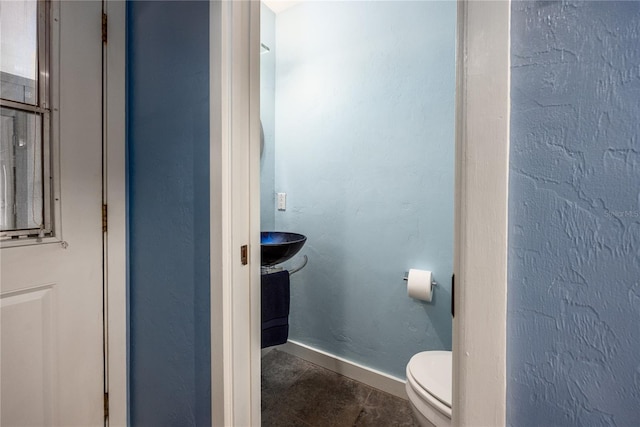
[(279, 5)]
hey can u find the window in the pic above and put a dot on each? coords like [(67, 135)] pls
[(25, 196)]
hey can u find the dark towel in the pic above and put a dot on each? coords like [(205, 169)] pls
[(275, 308)]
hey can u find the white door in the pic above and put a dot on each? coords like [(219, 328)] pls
[(51, 294)]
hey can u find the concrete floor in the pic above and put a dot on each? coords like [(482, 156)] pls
[(297, 393)]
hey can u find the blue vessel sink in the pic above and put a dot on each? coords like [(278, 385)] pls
[(278, 246)]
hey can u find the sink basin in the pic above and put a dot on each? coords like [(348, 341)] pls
[(277, 246)]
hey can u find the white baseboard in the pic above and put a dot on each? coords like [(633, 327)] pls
[(368, 376)]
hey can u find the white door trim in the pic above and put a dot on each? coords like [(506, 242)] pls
[(115, 197), (482, 172), (235, 213)]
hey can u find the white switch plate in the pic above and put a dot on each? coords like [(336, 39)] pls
[(282, 201)]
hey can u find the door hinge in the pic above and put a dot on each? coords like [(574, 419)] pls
[(104, 218), (453, 295), (104, 28), (244, 254), (106, 404)]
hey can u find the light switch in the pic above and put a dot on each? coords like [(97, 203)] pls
[(282, 201)]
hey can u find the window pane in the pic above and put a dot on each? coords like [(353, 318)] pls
[(18, 50), (21, 197)]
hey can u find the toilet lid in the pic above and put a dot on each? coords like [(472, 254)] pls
[(432, 370)]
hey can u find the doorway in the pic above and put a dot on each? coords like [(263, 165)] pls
[(358, 109), (482, 107)]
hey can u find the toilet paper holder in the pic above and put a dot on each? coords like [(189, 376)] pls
[(406, 278)]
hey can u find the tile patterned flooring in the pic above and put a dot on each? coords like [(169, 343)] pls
[(297, 393)]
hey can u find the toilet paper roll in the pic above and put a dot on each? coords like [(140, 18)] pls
[(419, 285)]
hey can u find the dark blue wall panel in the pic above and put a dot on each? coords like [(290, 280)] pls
[(168, 169), (574, 215)]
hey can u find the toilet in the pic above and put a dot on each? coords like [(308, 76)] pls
[(429, 387)]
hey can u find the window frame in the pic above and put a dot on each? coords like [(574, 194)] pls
[(46, 40)]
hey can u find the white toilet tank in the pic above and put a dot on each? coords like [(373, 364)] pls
[(429, 387)]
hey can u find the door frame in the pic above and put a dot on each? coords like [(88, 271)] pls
[(115, 197), (481, 213), (234, 31), (480, 255)]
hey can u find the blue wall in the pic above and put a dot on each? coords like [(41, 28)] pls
[(267, 117), (168, 169), (574, 213), (365, 152)]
